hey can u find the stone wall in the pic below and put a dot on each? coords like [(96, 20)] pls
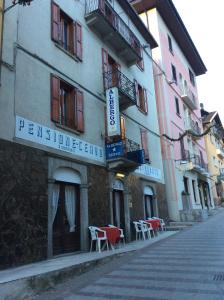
[(23, 204), (162, 201), (99, 198)]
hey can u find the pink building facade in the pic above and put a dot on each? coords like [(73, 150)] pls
[(176, 65)]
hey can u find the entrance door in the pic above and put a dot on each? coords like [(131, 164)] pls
[(149, 207), (118, 209), (65, 238)]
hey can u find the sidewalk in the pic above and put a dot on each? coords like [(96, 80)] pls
[(21, 282)]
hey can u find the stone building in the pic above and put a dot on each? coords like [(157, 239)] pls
[(177, 63), (79, 135)]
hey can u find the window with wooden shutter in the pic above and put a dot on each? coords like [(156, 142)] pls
[(55, 99), (140, 62), (55, 22), (66, 32), (145, 101), (67, 107), (79, 110), (78, 40), (136, 92), (144, 140)]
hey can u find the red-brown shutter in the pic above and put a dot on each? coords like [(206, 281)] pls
[(145, 100), (78, 40), (71, 109), (79, 110), (137, 92), (55, 99), (105, 68), (144, 139), (55, 22)]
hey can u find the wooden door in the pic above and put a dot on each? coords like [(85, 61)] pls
[(65, 241), (149, 207)]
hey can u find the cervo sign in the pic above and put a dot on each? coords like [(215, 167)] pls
[(113, 117)]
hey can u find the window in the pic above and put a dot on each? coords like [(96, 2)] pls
[(67, 107), (186, 185), (192, 78), (170, 44), (177, 106), (141, 94), (66, 32), (140, 63), (144, 140), (174, 74), (194, 191)]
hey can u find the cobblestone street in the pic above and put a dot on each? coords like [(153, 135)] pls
[(188, 265)]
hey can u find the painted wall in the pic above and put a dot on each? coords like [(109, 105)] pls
[(170, 122), (26, 92)]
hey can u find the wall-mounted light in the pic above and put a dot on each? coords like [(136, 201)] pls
[(120, 175)]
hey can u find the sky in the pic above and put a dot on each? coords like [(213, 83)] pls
[(204, 20)]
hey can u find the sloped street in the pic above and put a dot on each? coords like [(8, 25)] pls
[(188, 265)]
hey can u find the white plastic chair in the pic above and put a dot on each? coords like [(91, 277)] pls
[(139, 230), (147, 228), (94, 237), (162, 223), (121, 232)]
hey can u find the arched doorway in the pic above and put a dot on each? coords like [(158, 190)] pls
[(65, 211), (118, 204), (150, 206)]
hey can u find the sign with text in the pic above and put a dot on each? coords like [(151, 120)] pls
[(114, 150), (113, 116), (37, 133), (149, 171)]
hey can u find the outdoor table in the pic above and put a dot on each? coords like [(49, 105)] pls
[(113, 235), (156, 225)]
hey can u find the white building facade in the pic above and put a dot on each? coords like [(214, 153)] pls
[(79, 131)]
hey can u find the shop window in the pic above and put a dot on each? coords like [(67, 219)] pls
[(67, 107), (66, 32)]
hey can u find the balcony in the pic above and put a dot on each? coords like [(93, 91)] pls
[(103, 19), (126, 88), (220, 153), (188, 97), (124, 155), (194, 162), (193, 127)]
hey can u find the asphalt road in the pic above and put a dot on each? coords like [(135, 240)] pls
[(188, 265)]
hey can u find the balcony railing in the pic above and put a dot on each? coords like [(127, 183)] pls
[(188, 97), (126, 88), (197, 161), (124, 154), (193, 126), (103, 18)]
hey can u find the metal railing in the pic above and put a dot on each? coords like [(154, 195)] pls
[(186, 91), (130, 145), (117, 79), (103, 7), (194, 158), (192, 125)]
